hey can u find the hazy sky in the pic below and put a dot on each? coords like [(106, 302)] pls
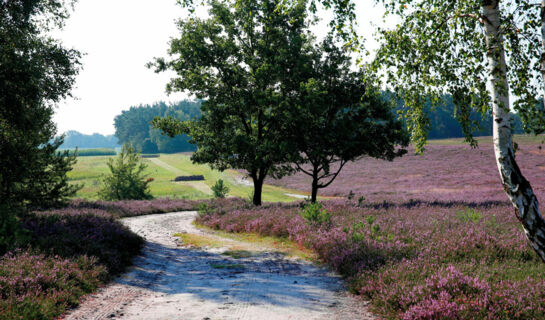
[(119, 37)]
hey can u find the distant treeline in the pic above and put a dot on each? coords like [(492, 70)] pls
[(133, 126), (443, 125), (74, 139)]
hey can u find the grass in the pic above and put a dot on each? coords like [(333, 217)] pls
[(245, 245), (89, 170)]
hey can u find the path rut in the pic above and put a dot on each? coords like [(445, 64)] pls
[(171, 281)]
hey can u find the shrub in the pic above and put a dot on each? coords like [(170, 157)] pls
[(220, 189), (204, 209), (37, 286), (93, 152), (126, 180), (315, 213), (189, 178), (469, 215), (92, 232)]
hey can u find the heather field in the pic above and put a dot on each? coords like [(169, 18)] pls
[(447, 171), (415, 260), (424, 237)]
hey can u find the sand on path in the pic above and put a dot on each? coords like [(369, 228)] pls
[(172, 281)]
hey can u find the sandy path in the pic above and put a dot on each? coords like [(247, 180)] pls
[(170, 281)]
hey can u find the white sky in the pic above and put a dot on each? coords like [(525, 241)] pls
[(119, 37)]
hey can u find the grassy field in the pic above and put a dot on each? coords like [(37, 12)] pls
[(164, 169)]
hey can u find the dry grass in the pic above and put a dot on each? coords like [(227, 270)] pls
[(244, 245)]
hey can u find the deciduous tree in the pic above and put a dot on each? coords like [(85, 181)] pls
[(241, 61), (337, 118), (483, 53)]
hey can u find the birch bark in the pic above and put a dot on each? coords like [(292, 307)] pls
[(543, 46), (518, 189)]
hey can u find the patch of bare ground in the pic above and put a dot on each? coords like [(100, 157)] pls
[(170, 280)]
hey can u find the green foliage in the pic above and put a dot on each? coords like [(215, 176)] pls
[(134, 127), (338, 116), (362, 232), (245, 89), (11, 234), (315, 213), (469, 215), (220, 189), (361, 200), (439, 47), (36, 72), (126, 180), (204, 209)]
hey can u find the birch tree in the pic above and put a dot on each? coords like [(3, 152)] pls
[(490, 56)]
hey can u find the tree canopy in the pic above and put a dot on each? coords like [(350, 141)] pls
[(338, 117), (483, 53), (36, 72), (242, 61)]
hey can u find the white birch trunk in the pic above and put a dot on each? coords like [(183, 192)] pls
[(543, 45), (518, 189)]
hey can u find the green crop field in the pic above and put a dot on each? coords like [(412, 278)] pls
[(163, 169)]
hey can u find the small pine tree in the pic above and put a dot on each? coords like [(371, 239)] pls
[(220, 189), (126, 180)]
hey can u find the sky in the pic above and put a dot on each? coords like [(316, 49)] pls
[(118, 38)]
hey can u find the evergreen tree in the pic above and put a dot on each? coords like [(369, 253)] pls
[(36, 72)]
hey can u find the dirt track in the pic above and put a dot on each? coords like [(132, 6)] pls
[(170, 281)]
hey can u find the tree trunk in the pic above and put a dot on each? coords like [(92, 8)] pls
[(518, 189), (314, 190), (258, 190), (543, 44)]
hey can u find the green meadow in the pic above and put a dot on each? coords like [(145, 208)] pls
[(163, 169)]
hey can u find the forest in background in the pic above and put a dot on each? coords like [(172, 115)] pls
[(133, 126), (74, 139)]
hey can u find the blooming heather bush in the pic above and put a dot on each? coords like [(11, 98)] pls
[(142, 207), (73, 251), (36, 286), (418, 259), (91, 232)]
